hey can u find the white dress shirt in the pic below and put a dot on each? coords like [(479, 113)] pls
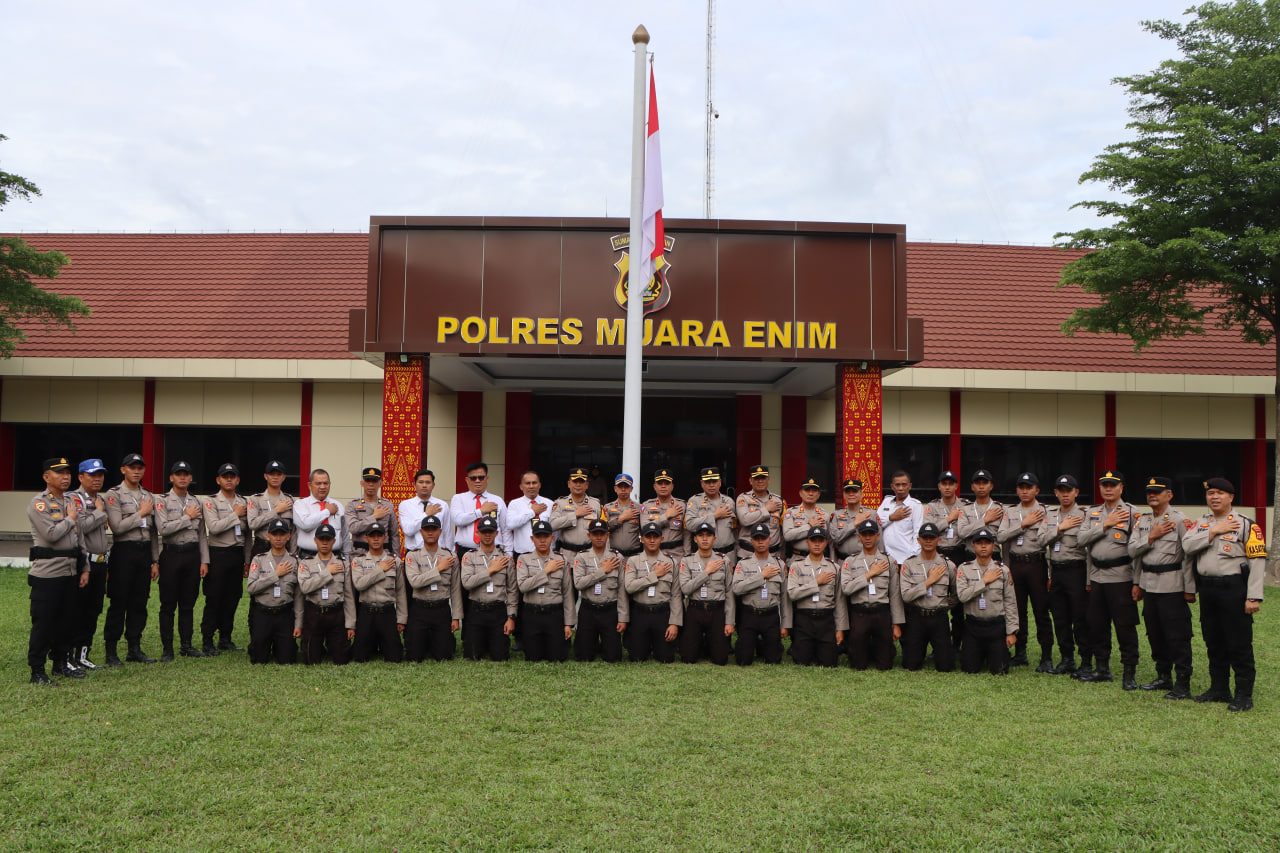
[(465, 514), (412, 513), (901, 537), (309, 514), (519, 523)]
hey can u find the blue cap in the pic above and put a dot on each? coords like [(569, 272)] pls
[(624, 478), (92, 466)]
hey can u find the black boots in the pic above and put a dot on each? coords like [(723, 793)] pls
[(1046, 662), (1162, 682), (1066, 666), (1129, 681), (136, 654)]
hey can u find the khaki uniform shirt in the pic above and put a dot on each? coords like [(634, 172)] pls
[(644, 587), (319, 585), (360, 518), (914, 592), (937, 511), (125, 523), (263, 584), (381, 587), (797, 521), (700, 509), (971, 521), (226, 529), (842, 528), (51, 528), (803, 588), (881, 589), (573, 530), (597, 586), (675, 539), (624, 535), (1163, 551), (262, 512), (697, 585), (1017, 539), (1227, 554), (1062, 545), (542, 589), (987, 601), (759, 593), (1107, 543), (485, 588), (92, 524), (176, 527), (428, 582), (752, 510)]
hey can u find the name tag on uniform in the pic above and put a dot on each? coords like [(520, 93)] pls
[(653, 591), (142, 525), (982, 603), (817, 598), (928, 592), (599, 589), (275, 593), (702, 592), (764, 593), (489, 587), (434, 587), (871, 587), (237, 529), (541, 590), (324, 593), (1018, 541), (1057, 546)]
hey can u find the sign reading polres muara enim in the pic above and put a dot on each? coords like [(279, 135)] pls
[(745, 290)]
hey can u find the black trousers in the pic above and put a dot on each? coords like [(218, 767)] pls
[(321, 628), (179, 588), (430, 631), (543, 633), (957, 555), (482, 633), (223, 587), (926, 628), (271, 634), (87, 605), (128, 588), (1227, 632), (1112, 603), (984, 642), (51, 619), (704, 620), (758, 629), (647, 632), (1167, 616), (1069, 603), (598, 633), (377, 625), (813, 637), (1031, 580), (870, 637)]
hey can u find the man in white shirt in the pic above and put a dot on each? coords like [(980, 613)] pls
[(900, 518), (466, 508), (316, 509), (413, 511), (522, 511)]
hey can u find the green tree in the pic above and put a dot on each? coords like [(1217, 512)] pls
[(21, 299), (1195, 221)]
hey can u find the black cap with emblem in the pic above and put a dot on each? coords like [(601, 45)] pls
[(759, 471), (540, 528), (852, 485), (869, 526), (371, 474), (1159, 484), (651, 529), (132, 459), (710, 474), (57, 463), (1066, 481), (760, 531), (929, 530), (663, 475)]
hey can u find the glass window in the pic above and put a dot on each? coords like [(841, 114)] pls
[(820, 462), (250, 448), (34, 443), (1188, 462), (920, 456), (1008, 456)]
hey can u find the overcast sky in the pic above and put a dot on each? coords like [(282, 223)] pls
[(965, 121)]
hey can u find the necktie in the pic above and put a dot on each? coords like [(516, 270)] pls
[(476, 527)]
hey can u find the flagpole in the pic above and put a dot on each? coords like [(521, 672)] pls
[(637, 271)]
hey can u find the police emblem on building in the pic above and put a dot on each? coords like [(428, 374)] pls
[(658, 291)]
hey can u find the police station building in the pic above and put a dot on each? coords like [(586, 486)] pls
[(824, 349)]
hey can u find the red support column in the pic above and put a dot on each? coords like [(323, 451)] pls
[(304, 440), (152, 441), (470, 422), (795, 447), (750, 420), (519, 439), (404, 416), (1104, 447), (952, 462), (860, 427)]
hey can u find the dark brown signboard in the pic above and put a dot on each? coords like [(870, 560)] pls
[(724, 289)]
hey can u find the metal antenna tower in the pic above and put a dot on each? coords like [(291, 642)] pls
[(709, 164)]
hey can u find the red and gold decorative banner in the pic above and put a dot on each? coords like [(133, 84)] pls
[(403, 409), (860, 447)]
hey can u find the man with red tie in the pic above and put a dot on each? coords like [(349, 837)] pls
[(466, 508)]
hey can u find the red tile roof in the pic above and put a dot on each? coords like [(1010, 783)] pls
[(287, 296)]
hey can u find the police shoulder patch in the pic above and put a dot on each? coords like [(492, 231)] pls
[(40, 505)]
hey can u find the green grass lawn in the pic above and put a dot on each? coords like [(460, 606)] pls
[(218, 755)]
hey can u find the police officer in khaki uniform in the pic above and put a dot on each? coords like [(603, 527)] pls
[(760, 593), (1105, 532), (602, 612), (489, 580), (668, 513), (226, 518), (869, 583), (1230, 556), (990, 611), (715, 509), (798, 520), (655, 607), (946, 512), (1068, 570), (819, 614), (328, 608), (369, 508), (57, 565), (184, 560), (275, 608), (926, 586), (844, 521), (546, 584), (383, 609), (572, 514), (623, 516), (132, 566), (984, 513), (709, 606), (1165, 583), (270, 504), (759, 506), (435, 603), (1019, 534), (91, 522)]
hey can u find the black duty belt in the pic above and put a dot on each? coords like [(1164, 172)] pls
[(628, 552), (97, 558), (664, 607), (869, 608), (600, 605), (306, 553), (325, 608), (226, 548), (959, 550), (724, 549), (762, 610), (131, 543), (1161, 568), (488, 605), (376, 608), (41, 553), (1224, 580), (360, 543), (678, 543), (984, 620), (543, 608), (181, 548), (1066, 565), (816, 612), (706, 605), (422, 602), (928, 611), (272, 610), (1026, 558), (577, 549), (1112, 564), (463, 549)]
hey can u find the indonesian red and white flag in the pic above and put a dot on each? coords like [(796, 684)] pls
[(652, 235)]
